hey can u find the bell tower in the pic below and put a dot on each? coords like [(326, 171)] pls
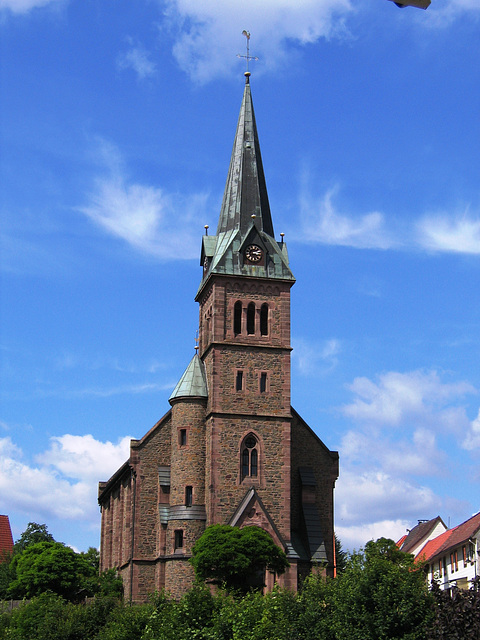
[(244, 333)]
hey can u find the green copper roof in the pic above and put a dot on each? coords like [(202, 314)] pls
[(193, 382), (245, 216)]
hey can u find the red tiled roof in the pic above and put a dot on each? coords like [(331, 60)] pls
[(6, 539), (450, 539), (401, 541)]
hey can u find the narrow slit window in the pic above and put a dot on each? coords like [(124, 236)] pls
[(239, 381), (263, 382), (237, 318), (182, 437), (178, 539), (264, 320), (188, 496), (251, 319)]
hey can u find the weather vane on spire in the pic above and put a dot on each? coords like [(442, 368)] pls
[(248, 57)]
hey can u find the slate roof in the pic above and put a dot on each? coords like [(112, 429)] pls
[(6, 539), (245, 216), (193, 382), (418, 533)]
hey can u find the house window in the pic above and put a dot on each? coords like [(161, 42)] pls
[(188, 496), (264, 320), (182, 437), (250, 457), (239, 381), (251, 319), (178, 539), (237, 318), (263, 382)]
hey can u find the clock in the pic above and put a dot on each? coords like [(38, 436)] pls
[(253, 253)]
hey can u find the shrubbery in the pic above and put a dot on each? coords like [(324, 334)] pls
[(380, 595)]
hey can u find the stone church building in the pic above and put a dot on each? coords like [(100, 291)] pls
[(231, 449)]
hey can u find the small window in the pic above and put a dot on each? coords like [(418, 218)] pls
[(264, 320), (251, 319), (239, 381), (178, 539), (237, 318), (263, 382), (182, 437), (188, 496)]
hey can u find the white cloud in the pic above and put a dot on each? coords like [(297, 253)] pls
[(152, 221), (138, 59), (315, 358), (472, 440), (321, 222), (63, 483), (23, 6), (417, 396), (450, 234), (209, 32)]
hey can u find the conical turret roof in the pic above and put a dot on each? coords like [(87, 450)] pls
[(193, 383)]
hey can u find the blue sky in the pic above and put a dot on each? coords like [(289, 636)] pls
[(117, 122)]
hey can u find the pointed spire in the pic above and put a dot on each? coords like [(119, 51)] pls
[(246, 190)]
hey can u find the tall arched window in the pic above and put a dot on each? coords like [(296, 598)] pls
[(264, 320), (251, 319), (250, 457), (237, 318)]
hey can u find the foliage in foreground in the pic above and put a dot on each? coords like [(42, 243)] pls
[(380, 595)]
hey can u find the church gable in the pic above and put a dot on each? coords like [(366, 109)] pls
[(252, 512)]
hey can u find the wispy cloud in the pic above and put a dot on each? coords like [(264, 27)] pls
[(23, 6), (146, 217), (322, 222), (138, 59), (450, 234), (207, 33), (315, 359)]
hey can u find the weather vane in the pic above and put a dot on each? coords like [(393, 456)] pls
[(248, 57)]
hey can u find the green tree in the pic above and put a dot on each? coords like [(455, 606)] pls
[(382, 595), (33, 533), (236, 557), (340, 556), (49, 566)]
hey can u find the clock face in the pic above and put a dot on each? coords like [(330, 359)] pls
[(253, 253)]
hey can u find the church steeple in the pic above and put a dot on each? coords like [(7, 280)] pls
[(246, 191), (245, 220)]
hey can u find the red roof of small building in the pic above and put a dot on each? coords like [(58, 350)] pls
[(6, 539)]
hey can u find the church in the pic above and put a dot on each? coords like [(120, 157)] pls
[(230, 449)]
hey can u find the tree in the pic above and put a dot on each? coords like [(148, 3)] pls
[(33, 533), (236, 557), (382, 595), (49, 566), (340, 556)]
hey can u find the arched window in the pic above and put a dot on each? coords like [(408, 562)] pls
[(264, 320), (251, 319), (250, 457), (237, 318)]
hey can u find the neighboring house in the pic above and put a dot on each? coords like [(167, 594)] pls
[(452, 556), (6, 539), (231, 449)]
